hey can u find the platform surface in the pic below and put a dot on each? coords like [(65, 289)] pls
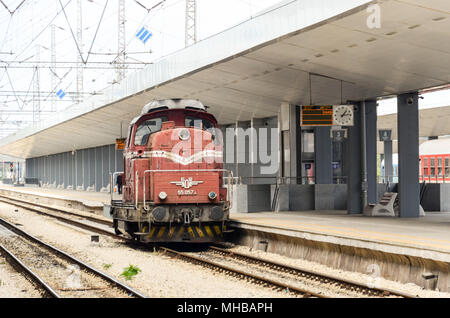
[(428, 236), (88, 198)]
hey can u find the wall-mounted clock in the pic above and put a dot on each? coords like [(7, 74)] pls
[(343, 115)]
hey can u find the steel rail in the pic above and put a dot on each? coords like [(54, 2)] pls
[(329, 279), (71, 221), (21, 267), (241, 273), (70, 258), (59, 210)]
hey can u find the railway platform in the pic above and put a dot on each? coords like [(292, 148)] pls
[(405, 250), (425, 237), (77, 200)]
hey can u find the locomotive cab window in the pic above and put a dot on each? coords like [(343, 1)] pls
[(198, 123), (205, 125), (130, 130), (147, 128)]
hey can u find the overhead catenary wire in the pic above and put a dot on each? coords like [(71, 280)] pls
[(42, 31), (98, 60), (96, 32), (13, 11), (28, 60), (71, 30)]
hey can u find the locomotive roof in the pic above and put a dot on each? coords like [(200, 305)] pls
[(173, 104)]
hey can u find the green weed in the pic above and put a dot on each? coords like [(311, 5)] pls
[(130, 272)]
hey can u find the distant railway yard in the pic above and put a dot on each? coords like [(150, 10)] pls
[(118, 267)]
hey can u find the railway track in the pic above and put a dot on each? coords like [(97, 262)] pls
[(296, 281), (292, 280), (312, 279), (79, 220), (55, 272), (42, 208), (242, 274), (45, 289)]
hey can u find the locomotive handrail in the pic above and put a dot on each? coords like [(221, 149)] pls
[(229, 188), (136, 186)]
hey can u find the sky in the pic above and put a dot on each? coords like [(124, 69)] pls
[(25, 31)]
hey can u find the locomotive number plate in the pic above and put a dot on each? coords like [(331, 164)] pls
[(186, 192)]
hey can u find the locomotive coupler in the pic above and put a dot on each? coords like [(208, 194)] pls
[(187, 216)]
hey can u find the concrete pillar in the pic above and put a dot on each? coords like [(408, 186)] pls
[(354, 165), (388, 166), (243, 149), (323, 155), (371, 151), (290, 145), (408, 155)]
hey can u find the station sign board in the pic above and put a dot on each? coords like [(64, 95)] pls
[(338, 135), (317, 116), (385, 134), (120, 144), (327, 116)]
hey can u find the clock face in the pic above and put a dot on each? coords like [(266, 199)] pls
[(343, 115)]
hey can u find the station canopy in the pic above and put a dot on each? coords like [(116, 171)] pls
[(251, 69), (434, 122)]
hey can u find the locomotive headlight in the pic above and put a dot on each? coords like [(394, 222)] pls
[(184, 134), (212, 195), (217, 213), (163, 195), (159, 214)]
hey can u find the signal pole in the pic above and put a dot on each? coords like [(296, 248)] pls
[(121, 47), (37, 89), (191, 22), (53, 64), (79, 59)]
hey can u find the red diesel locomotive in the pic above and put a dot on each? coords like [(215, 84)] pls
[(173, 184)]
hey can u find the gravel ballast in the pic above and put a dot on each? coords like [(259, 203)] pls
[(13, 284)]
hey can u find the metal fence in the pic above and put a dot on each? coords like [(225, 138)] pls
[(283, 180)]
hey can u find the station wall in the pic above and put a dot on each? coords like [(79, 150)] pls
[(247, 148), (85, 169)]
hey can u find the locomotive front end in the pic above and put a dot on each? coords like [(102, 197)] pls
[(174, 189)]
